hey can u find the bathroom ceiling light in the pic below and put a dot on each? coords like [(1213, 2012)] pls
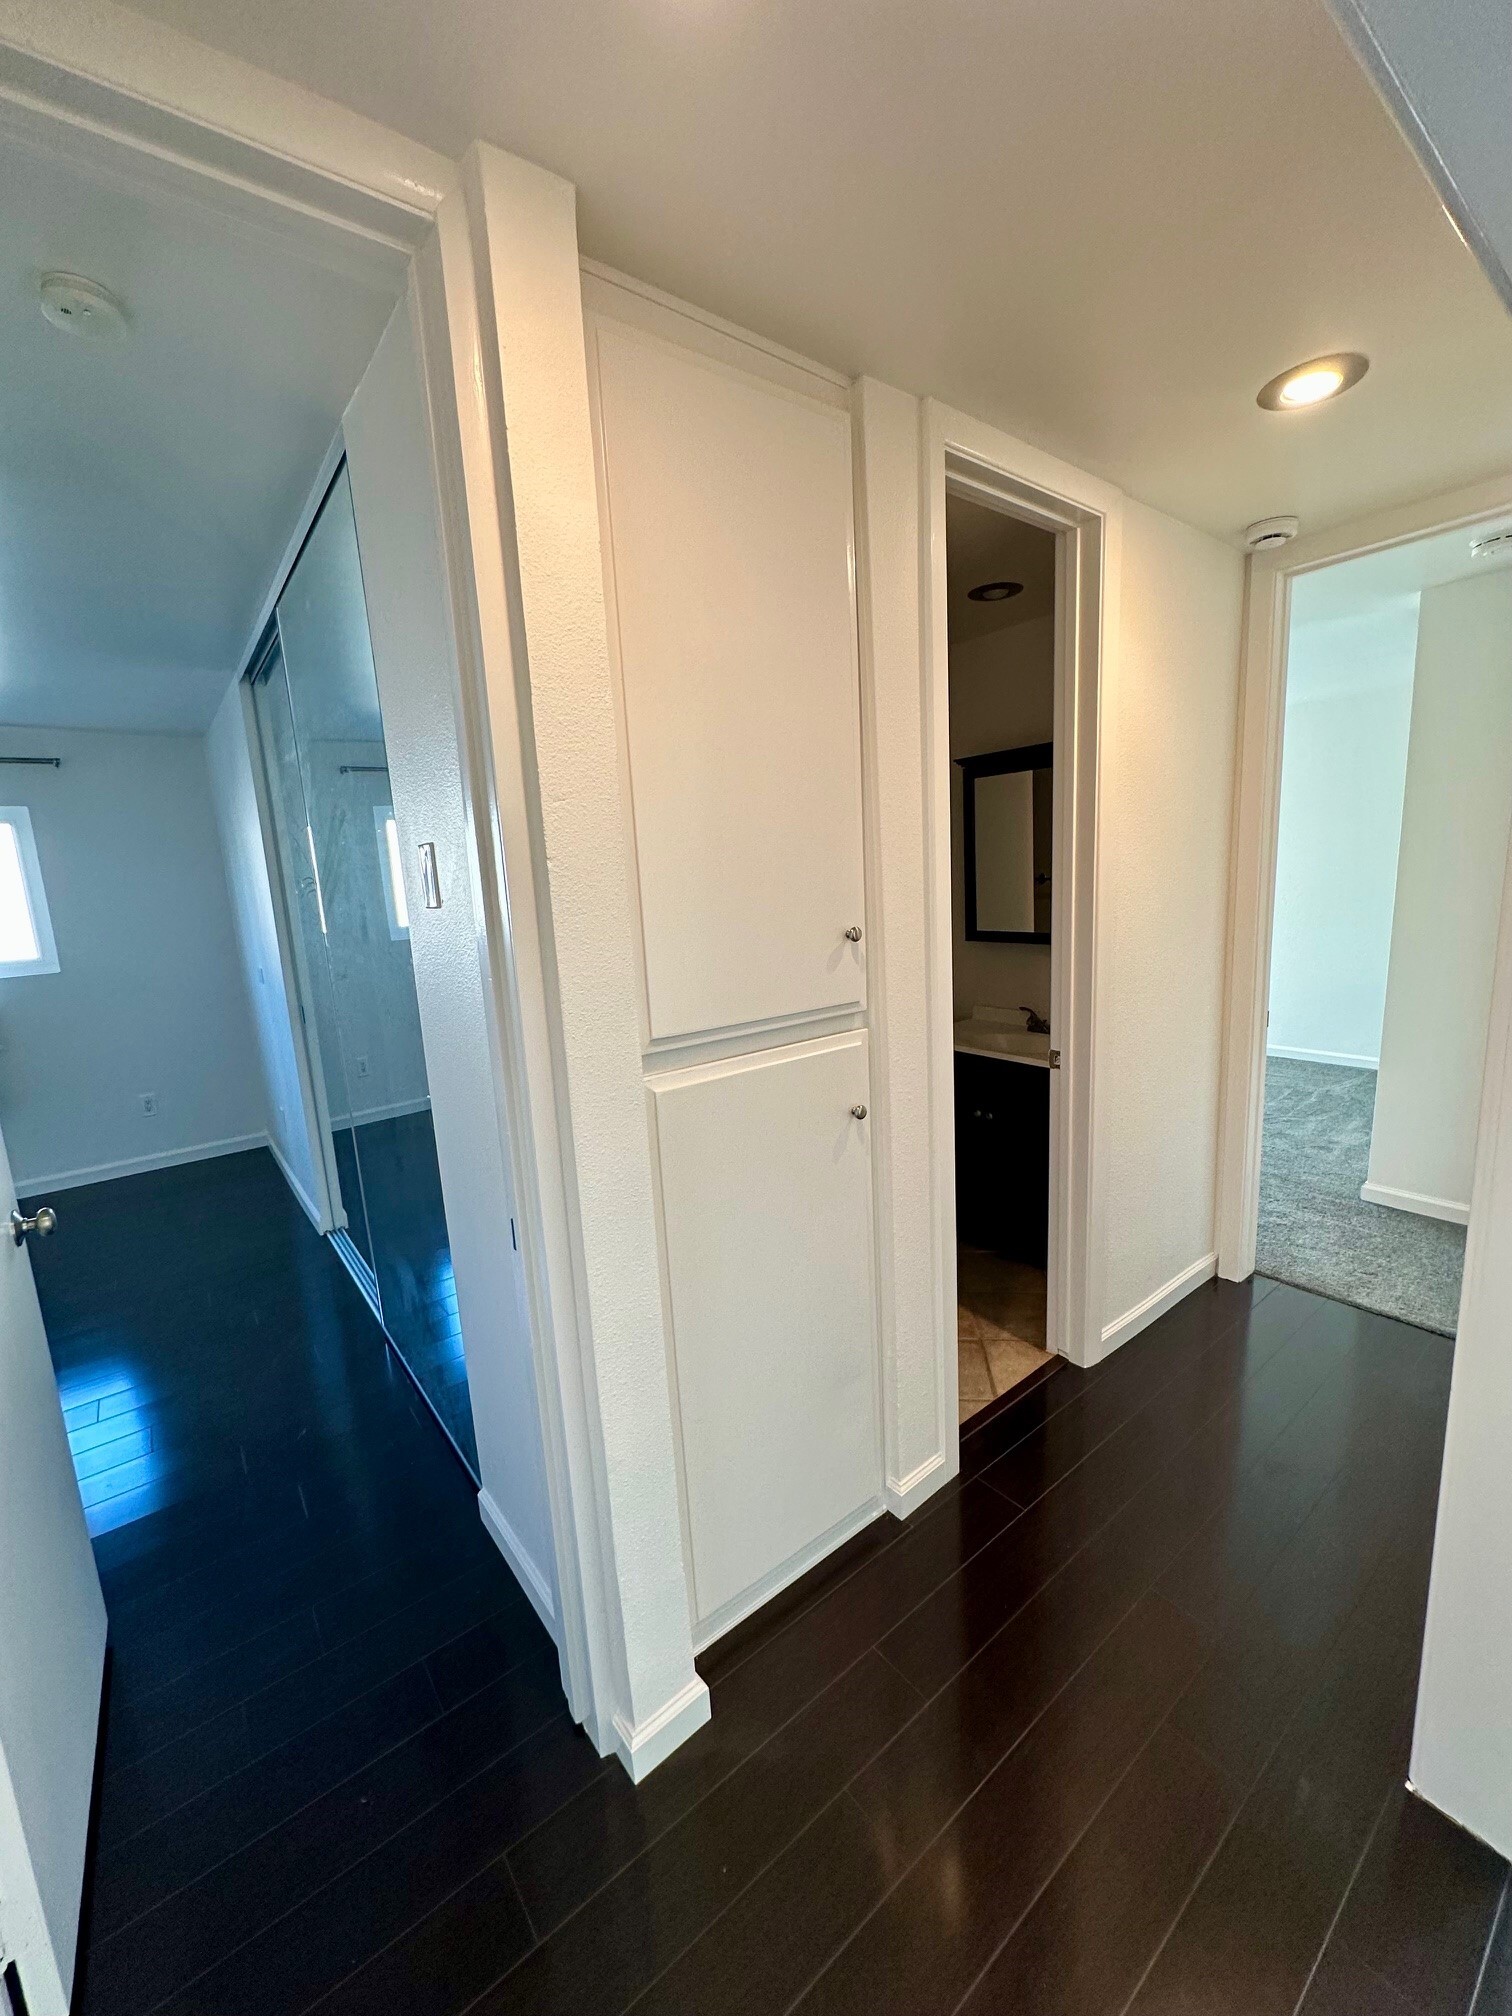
[(81, 306), (995, 591), (1311, 383)]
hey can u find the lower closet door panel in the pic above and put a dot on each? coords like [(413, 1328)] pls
[(766, 1189)]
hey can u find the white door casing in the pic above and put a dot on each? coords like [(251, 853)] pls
[(404, 579), (1257, 812), (974, 459), (52, 1649)]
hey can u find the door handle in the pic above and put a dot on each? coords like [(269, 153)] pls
[(44, 1224), (430, 875)]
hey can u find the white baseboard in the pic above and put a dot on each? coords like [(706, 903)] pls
[(302, 1196), (138, 1165), (1413, 1200), (1143, 1314), (907, 1494), (364, 1116), (642, 1748), (525, 1572), (1324, 1057), (707, 1629)]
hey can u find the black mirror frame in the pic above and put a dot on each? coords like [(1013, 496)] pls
[(1037, 756)]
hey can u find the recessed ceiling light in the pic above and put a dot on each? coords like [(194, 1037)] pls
[(995, 591), (83, 307), (1311, 383)]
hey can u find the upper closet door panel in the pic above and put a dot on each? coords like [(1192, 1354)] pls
[(729, 530)]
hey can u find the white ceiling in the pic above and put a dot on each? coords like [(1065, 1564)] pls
[(149, 484), (1101, 226), (985, 545)]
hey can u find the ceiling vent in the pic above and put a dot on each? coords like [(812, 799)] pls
[(1495, 545), (1267, 533)]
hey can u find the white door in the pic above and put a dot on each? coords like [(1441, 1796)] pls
[(52, 1650), (765, 1169), (727, 514)]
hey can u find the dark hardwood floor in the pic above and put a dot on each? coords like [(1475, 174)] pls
[(1118, 1722), (398, 1218)]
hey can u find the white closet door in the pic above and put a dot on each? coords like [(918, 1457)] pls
[(729, 532), (766, 1184)]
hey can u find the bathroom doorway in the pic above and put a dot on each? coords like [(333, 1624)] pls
[(1001, 599)]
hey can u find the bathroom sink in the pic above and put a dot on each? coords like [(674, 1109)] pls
[(983, 1037)]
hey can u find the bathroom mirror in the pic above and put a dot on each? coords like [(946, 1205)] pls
[(1008, 798)]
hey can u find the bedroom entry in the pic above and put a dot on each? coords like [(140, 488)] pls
[(1395, 811)]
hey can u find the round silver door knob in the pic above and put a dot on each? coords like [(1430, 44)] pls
[(858, 1112), (854, 934), (45, 1222)]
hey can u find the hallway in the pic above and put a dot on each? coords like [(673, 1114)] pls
[(1119, 1721)]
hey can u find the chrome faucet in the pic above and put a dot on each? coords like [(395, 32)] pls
[(1037, 1025)]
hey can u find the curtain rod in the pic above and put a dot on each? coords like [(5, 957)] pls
[(50, 762)]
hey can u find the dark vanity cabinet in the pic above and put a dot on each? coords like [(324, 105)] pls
[(1002, 1113)]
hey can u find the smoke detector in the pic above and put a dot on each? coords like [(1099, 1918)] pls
[(81, 306), (1495, 545), (1267, 533)]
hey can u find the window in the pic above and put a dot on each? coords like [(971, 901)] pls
[(26, 936), (394, 899)]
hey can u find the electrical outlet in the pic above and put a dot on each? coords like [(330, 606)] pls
[(362, 1070), (149, 1103)]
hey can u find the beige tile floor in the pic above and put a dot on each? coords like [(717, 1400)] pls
[(1000, 1327)]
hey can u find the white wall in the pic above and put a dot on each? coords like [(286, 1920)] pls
[(1002, 696), (234, 797), (1169, 712), (1169, 707), (1455, 822), (1344, 769), (149, 997)]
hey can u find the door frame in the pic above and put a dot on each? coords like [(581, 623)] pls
[(1257, 820), (189, 114), (326, 1216), (967, 458)]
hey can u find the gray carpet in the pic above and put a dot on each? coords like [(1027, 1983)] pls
[(1315, 1230)]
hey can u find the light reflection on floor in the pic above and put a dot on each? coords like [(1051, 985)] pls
[(107, 1411)]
